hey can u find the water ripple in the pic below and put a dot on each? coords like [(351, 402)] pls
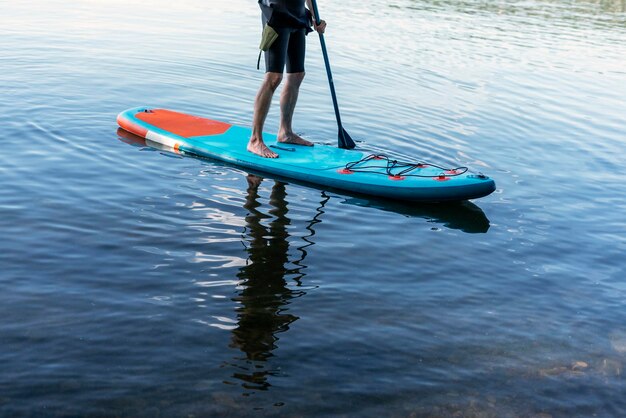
[(132, 274)]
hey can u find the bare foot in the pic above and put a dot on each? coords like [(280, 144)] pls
[(294, 139), (258, 147)]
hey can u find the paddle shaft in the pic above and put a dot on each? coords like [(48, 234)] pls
[(344, 139)]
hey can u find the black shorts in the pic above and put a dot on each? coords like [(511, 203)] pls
[(289, 48)]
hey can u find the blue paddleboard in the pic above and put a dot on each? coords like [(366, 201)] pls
[(352, 170)]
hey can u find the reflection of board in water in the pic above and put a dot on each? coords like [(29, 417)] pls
[(465, 216)]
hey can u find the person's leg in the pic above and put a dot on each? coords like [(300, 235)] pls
[(261, 108), (288, 100), (289, 96), (275, 58)]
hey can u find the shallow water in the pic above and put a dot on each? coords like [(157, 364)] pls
[(140, 283)]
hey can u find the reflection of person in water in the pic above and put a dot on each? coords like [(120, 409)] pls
[(263, 303)]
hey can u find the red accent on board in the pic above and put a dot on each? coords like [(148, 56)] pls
[(177, 147), (420, 165), (450, 171), (345, 171), (396, 178), (131, 127), (377, 157), (182, 124), (442, 177)]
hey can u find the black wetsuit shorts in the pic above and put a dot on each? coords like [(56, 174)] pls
[(288, 49)]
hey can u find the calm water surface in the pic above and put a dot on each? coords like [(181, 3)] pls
[(140, 283)]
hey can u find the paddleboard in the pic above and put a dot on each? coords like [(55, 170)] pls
[(354, 170)]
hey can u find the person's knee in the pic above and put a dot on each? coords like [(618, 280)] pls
[(294, 80), (273, 80), (297, 77)]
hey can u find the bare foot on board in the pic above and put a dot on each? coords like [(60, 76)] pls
[(293, 139), (258, 147)]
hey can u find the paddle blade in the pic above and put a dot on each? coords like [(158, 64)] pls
[(345, 141)]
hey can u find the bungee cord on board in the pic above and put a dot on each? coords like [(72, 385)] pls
[(404, 169)]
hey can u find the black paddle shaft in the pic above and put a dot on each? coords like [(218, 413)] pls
[(344, 139)]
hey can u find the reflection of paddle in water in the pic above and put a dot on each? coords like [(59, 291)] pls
[(263, 304)]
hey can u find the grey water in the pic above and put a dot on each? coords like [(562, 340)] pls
[(135, 282)]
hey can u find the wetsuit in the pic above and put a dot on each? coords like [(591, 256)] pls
[(292, 21)]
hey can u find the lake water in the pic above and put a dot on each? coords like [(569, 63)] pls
[(140, 283)]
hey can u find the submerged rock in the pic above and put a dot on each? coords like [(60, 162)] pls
[(577, 368)]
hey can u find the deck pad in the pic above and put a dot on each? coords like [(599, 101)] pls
[(182, 124)]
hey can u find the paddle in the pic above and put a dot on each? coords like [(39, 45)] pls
[(344, 139)]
